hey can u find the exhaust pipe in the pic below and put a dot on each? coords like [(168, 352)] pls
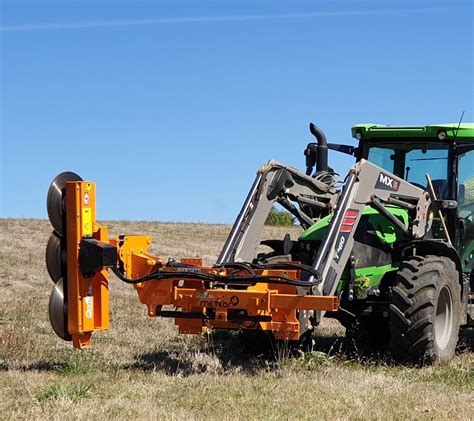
[(322, 148)]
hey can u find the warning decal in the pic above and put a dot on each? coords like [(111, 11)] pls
[(87, 221)]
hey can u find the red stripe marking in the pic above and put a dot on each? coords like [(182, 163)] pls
[(346, 228), (351, 214), (348, 221)]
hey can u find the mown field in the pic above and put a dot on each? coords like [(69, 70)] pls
[(143, 368)]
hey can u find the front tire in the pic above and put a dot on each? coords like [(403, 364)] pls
[(425, 311)]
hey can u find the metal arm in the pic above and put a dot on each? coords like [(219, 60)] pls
[(273, 180)]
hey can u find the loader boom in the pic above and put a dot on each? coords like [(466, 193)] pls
[(274, 182)]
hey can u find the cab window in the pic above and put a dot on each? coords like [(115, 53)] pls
[(412, 161), (419, 162), (383, 157)]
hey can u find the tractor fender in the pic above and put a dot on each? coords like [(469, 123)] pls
[(438, 248)]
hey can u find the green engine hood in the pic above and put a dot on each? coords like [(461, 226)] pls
[(385, 231)]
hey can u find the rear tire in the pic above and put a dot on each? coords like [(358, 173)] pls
[(425, 311)]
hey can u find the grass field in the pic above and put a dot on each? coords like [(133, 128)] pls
[(142, 368)]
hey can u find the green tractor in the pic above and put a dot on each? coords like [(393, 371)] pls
[(388, 251), (395, 243)]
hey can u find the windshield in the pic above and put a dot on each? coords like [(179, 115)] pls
[(411, 161)]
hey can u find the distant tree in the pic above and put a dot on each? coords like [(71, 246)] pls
[(280, 218)]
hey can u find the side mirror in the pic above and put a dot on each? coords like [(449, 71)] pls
[(311, 154)]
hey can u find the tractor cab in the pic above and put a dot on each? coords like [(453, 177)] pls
[(446, 153)]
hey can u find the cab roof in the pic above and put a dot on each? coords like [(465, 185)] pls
[(377, 131)]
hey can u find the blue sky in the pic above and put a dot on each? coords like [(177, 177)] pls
[(171, 106)]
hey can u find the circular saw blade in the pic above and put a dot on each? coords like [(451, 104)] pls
[(54, 256), (58, 311), (55, 202)]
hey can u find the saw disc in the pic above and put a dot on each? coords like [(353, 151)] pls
[(58, 311), (54, 256), (55, 200)]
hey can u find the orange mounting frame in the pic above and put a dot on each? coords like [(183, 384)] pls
[(195, 306), (87, 298)]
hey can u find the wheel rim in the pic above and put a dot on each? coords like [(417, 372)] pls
[(444, 318)]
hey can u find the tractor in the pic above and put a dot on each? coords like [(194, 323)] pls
[(388, 251)]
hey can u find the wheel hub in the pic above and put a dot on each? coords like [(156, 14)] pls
[(444, 318)]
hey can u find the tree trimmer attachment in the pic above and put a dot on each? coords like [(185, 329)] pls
[(78, 304), (229, 295)]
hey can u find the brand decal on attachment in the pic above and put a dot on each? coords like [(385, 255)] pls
[(234, 301), (386, 182)]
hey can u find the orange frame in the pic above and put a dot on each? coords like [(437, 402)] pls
[(195, 307)]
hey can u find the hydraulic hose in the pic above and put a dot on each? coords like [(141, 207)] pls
[(229, 279)]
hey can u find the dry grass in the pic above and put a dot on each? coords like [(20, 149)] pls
[(142, 368)]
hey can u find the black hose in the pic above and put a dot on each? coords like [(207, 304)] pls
[(276, 266), (243, 280), (238, 265), (158, 275)]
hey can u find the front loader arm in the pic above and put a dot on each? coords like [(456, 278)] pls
[(367, 184), (274, 182)]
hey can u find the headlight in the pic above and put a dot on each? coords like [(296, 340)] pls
[(441, 135)]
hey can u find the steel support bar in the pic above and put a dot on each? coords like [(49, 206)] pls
[(252, 301)]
